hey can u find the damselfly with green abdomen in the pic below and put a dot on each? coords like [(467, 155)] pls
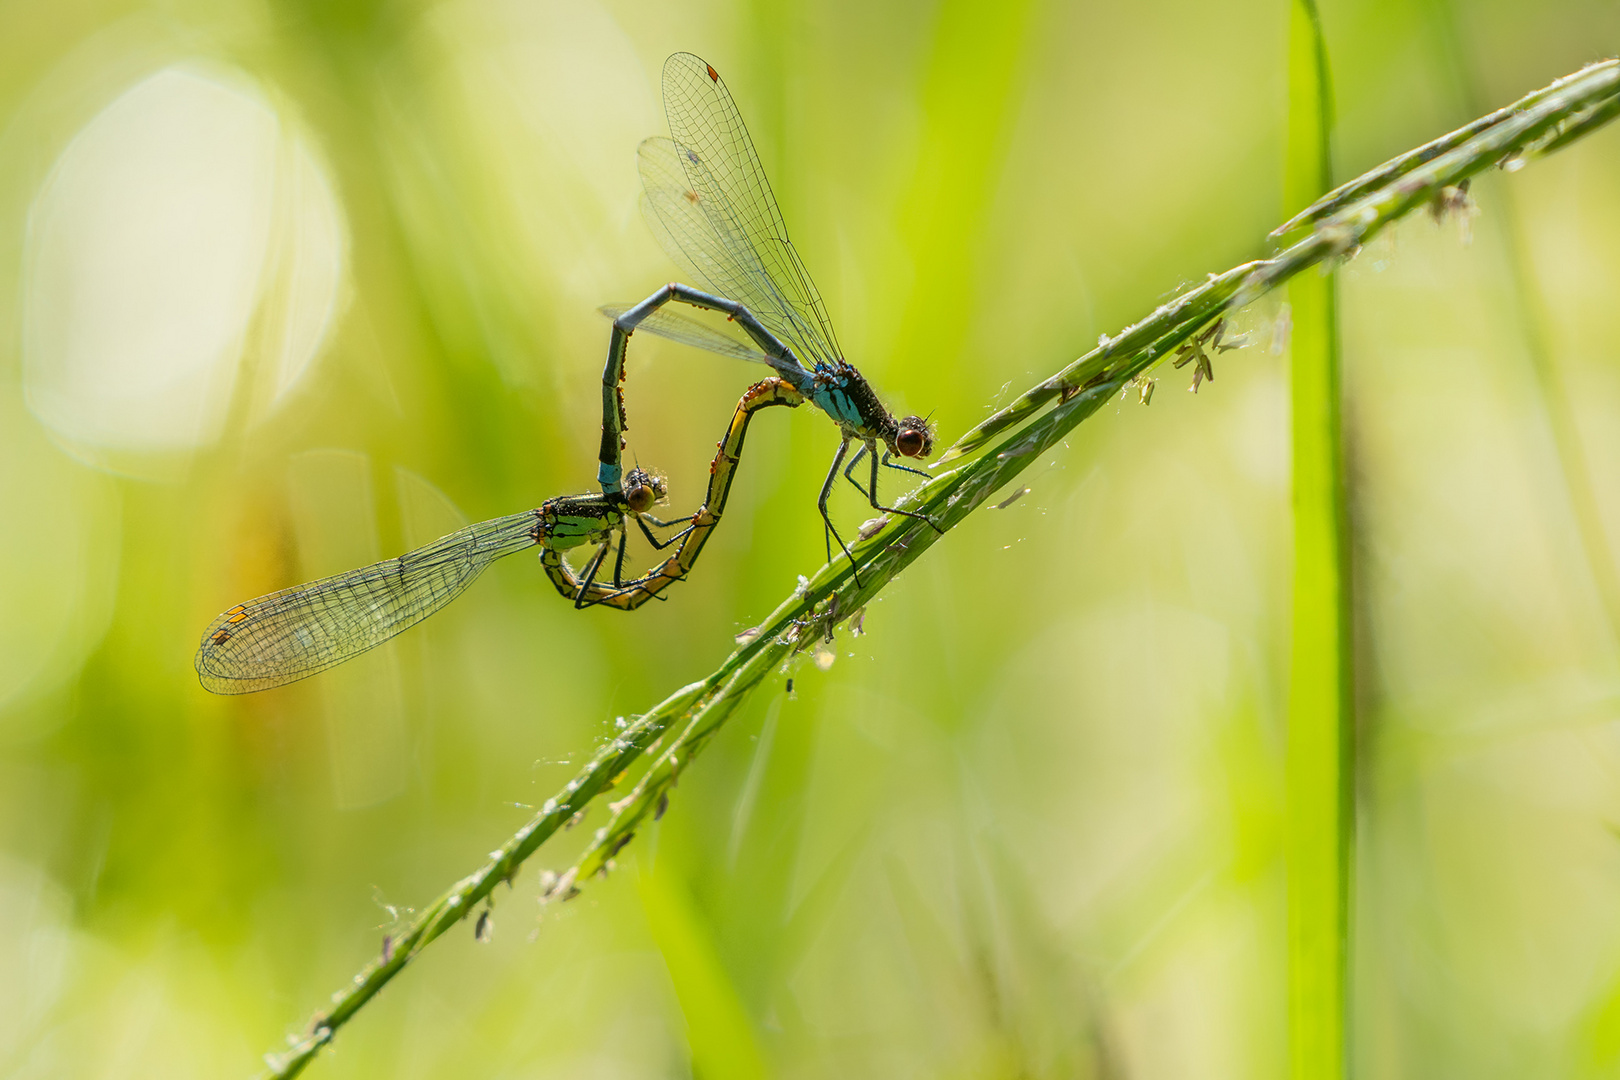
[(294, 633), (706, 196)]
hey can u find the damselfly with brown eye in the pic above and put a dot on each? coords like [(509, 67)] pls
[(706, 197), (297, 632)]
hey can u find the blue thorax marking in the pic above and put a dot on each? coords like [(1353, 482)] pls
[(836, 403)]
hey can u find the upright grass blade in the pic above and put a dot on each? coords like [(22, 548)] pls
[(719, 1032), (1321, 750), (1027, 430), (975, 68)]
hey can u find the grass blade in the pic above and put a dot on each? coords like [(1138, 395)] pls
[(1321, 752), (719, 1032)]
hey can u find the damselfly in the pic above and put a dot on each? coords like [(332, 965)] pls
[(298, 632), (632, 594), (294, 633), (706, 197)]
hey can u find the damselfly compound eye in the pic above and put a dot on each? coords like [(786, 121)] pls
[(642, 489), (914, 439)]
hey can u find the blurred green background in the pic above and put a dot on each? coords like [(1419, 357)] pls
[(289, 287)]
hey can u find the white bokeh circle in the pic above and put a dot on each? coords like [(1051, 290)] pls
[(185, 248)]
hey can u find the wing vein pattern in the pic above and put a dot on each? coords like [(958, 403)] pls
[(707, 199), (294, 633)]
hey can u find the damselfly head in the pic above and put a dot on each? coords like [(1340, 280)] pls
[(642, 490), (915, 438)]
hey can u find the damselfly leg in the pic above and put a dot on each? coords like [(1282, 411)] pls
[(890, 463), (830, 533), (871, 492), (706, 197), (621, 541), (722, 471)]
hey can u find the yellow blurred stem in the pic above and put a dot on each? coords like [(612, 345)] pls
[(1321, 758)]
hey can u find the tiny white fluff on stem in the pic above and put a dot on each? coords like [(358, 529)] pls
[(1281, 329)]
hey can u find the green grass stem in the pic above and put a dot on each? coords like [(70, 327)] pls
[(695, 713), (1321, 721)]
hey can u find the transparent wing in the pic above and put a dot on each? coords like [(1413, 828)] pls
[(294, 633), (717, 259), (711, 205), (688, 331)]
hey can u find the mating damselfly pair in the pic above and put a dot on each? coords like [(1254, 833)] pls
[(706, 196)]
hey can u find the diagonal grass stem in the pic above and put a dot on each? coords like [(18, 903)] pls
[(695, 713)]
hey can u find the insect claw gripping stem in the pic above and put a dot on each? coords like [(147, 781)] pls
[(831, 532), (872, 498)]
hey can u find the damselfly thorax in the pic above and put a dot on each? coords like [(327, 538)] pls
[(706, 197)]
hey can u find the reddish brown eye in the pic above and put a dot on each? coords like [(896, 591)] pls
[(640, 498), (914, 437)]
